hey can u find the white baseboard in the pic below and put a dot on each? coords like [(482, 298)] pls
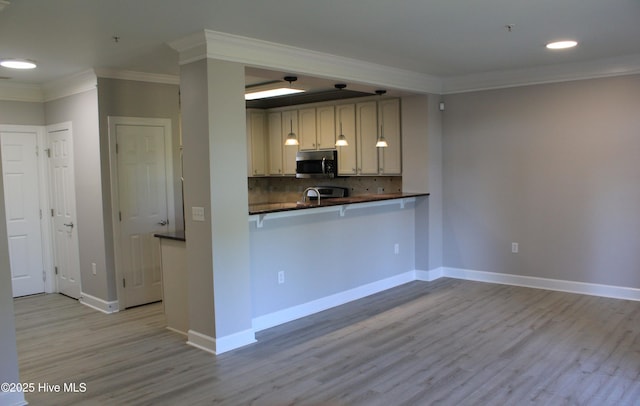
[(177, 331), (236, 340), (222, 344), (309, 308), (315, 306), (615, 292), (428, 276), (99, 304), (12, 399), (201, 341)]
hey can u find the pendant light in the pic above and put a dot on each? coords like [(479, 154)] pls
[(291, 137), (341, 141), (382, 142)]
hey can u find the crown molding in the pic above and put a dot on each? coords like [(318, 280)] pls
[(270, 55), (21, 92), (70, 85), (620, 66), (137, 76)]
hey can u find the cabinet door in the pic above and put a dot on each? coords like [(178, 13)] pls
[(256, 141), (325, 127), (289, 123), (346, 116), (389, 121), (367, 133), (276, 143), (307, 129)]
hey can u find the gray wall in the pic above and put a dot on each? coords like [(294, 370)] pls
[(21, 113), (422, 172), (323, 254), (82, 110), (8, 352), (553, 167), (129, 98)]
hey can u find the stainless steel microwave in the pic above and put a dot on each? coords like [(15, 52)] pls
[(317, 164)]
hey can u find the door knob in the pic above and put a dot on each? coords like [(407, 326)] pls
[(69, 224), (163, 222)]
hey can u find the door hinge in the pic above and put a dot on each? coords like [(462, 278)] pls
[(44, 276), (40, 214), (117, 148), (48, 151), (52, 213), (37, 151), (56, 269), (120, 215), (124, 283)]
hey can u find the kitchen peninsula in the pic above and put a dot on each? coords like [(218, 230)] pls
[(307, 257), (265, 208)]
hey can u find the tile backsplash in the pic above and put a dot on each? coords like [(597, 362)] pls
[(289, 189)]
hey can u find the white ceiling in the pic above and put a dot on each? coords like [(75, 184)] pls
[(444, 38)]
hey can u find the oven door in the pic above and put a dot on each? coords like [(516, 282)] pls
[(316, 168)]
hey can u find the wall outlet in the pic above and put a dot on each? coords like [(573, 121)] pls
[(380, 190), (396, 248), (514, 247), (280, 277), (94, 269)]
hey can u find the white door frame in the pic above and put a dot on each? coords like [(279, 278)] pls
[(115, 198), (50, 285)]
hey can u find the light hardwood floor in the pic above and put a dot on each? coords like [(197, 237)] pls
[(447, 342)]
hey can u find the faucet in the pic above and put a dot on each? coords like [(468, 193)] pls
[(304, 194)]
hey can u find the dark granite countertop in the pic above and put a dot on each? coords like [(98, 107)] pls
[(264, 208), (176, 235)]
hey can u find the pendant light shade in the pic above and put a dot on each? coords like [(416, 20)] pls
[(291, 140), (382, 142), (291, 137), (342, 140)]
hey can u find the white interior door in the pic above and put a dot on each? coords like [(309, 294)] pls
[(63, 194), (142, 193), (22, 201)]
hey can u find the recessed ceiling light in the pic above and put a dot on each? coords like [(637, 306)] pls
[(18, 63), (562, 44)]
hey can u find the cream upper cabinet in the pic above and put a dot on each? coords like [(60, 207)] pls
[(390, 158), (282, 158), (257, 143), (325, 127), (317, 128), (289, 123), (307, 129), (367, 135), (345, 117), (276, 143)]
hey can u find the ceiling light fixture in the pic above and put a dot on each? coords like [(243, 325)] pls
[(381, 143), (264, 94), (18, 64), (341, 141), (562, 44), (291, 137)]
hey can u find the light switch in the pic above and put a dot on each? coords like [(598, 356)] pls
[(197, 213)]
